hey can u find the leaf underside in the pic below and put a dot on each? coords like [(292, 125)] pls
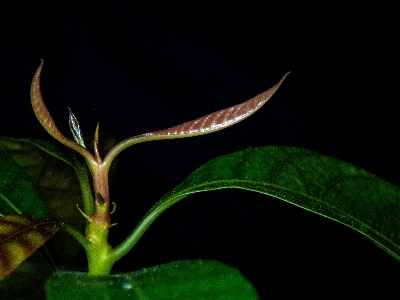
[(321, 184), (20, 236), (195, 280)]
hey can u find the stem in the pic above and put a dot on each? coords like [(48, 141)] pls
[(98, 250), (87, 197), (101, 213), (76, 234), (133, 141), (121, 146), (123, 248)]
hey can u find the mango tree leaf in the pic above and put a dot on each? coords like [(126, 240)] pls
[(45, 119), (20, 236), (17, 191), (213, 122), (53, 172), (321, 184), (27, 281), (193, 279)]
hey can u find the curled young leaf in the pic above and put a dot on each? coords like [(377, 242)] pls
[(20, 236), (44, 117), (39, 108)]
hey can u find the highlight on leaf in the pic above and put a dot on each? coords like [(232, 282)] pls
[(75, 128), (21, 236)]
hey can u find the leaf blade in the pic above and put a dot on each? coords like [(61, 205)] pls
[(56, 174), (207, 124), (20, 236), (51, 170), (318, 183), (17, 191), (196, 279), (75, 129), (45, 119), (220, 119)]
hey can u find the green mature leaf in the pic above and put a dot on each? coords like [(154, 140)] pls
[(52, 170), (27, 281), (49, 168), (20, 236), (321, 184), (194, 280), (17, 191)]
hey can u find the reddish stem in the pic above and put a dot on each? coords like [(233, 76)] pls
[(101, 213)]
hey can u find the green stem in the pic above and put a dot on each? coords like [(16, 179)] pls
[(123, 248), (83, 178), (98, 250), (79, 236)]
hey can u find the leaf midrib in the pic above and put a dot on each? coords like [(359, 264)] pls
[(187, 192)]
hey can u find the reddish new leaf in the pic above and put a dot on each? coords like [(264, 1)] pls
[(220, 119), (20, 236), (210, 123), (42, 113), (44, 117)]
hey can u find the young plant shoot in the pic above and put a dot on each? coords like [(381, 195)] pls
[(97, 208)]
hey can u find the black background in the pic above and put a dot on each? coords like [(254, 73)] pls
[(143, 67)]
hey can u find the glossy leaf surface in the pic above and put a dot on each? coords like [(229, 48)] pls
[(180, 280), (20, 236), (321, 184)]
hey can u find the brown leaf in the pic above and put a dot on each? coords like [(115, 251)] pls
[(44, 117), (42, 113), (220, 119), (210, 123), (20, 236)]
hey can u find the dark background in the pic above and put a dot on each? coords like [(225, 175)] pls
[(143, 67)]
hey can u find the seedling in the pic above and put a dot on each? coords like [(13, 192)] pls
[(323, 185), (97, 206)]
